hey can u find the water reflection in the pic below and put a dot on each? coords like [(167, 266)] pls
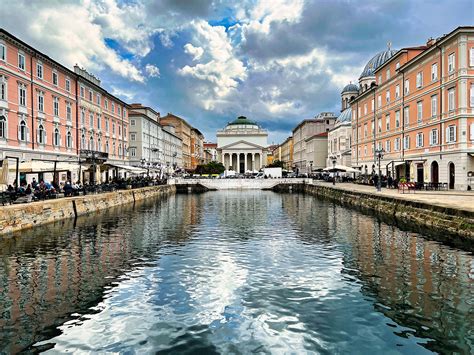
[(233, 272)]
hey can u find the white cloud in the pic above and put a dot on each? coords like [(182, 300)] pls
[(124, 94), (218, 70), (152, 70), (68, 39), (195, 52)]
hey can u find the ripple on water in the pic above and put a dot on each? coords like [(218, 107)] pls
[(234, 272)]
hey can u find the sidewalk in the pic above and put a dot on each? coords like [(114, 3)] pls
[(461, 200)]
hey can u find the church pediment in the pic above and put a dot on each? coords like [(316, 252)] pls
[(242, 145)]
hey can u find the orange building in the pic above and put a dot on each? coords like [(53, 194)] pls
[(197, 148), (50, 113), (183, 131), (417, 104)]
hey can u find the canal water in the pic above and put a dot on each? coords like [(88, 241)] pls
[(234, 272)]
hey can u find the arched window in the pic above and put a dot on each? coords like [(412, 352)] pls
[(69, 139), (120, 150), (23, 131), (57, 137), (99, 144), (91, 143), (41, 134), (113, 148), (83, 141), (107, 147), (3, 127)]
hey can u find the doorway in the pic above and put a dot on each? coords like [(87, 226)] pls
[(452, 175), (434, 172), (420, 173)]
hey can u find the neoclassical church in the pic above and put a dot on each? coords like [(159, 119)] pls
[(241, 145)]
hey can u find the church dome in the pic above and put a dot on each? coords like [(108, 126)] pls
[(242, 121), (350, 88), (377, 61), (345, 116)]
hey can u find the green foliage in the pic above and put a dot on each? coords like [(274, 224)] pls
[(212, 167), (276, 164)]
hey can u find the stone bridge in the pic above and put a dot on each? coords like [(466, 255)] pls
[(239, 184)]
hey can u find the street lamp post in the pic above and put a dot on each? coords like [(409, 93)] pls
[(379, 154), (334, 161), (311, 167)]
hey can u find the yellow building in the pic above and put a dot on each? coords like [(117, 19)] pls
[(287, 153)]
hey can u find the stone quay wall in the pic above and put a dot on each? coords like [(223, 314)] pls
[(23, 216), (446, 224)]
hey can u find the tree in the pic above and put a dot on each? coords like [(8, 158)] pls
[(276, 164), (212, 167)]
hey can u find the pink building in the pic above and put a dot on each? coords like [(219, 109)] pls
[(49, 113)]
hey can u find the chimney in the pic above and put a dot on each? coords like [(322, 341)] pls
[(431, 41)]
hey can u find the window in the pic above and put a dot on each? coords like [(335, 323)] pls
[(3, 88), (451, 99), (434, 137), (387, 122), (99, 144), (419, 111), (397, 65), (132, 122), (419, 79), (434, 72), (91, 95), (125, 132), (365, 150), (406, 142), (23, 131), (387, 73), (434, 105), (124, 113), (372, 105), (387, 146), (83, 117), (69, 140), (56, 106), (106, 104), (397, 119), (379, 125), (451, 134), (113, 127), (133, 152), (406, 115), (41, 135), (22, 94), (3, 52), (451, 65), (113, 107), (82, 91), (365, 130), (107, 147), (57, 138), (120, 150), (419, 140), (21, 61), (39, 70), (387, 96), (98, 99), (68, 111), (91, 120), (397, 91), (55, 78), (397, 144), (107, 125), (120, 130), (119, 111), (3, 127), (372, 127), (40, 101), (379, 101), (83, 141), (471, 94), (471, 57), (407, 87), (379, 80), (471, 133), (91, 143), (365, 108), (68, 85), (98, 121)]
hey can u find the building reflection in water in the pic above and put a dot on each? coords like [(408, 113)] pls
[(51, 273), (417, 283)]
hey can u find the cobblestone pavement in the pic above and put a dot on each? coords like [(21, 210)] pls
[(462, 200)]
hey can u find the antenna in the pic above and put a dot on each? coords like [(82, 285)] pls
[(389, 45)]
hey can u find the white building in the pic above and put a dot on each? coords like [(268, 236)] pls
[(241, 145), (172, 149)]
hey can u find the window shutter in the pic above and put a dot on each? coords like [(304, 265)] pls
[(472, 95), (455, 136), (471, 57)]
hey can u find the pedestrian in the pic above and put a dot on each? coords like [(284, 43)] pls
[(390, 181), (376, 180)]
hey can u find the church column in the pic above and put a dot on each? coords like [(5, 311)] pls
[(245, 162), (238, 163), (253, 162), (223, 159)]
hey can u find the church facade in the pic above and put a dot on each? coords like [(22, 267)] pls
[(241, 145)]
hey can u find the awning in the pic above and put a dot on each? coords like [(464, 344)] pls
[(342, 168), (130, 168)]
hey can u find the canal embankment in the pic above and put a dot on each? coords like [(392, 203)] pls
[(18, 217), (451, 220)]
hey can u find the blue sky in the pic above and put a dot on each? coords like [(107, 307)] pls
[(209, 61)]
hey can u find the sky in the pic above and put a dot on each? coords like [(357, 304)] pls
[(275, 61)]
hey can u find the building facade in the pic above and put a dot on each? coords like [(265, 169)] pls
[(322, 123), (172, 149), (183, 131), (340, 137), (197, 148), (49, 114), (316, 152), (419, 108), (210, 152), (241, 145), (287, 153)]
